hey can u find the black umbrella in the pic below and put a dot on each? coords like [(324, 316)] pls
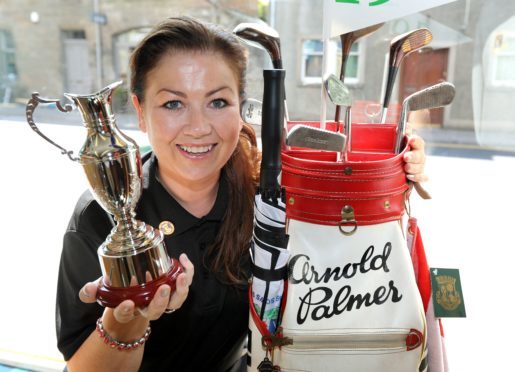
[(269, 242)]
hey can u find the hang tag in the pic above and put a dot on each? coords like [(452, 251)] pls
[(448, 299), (265, 366)]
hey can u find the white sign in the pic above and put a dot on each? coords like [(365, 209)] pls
[(342, 16)]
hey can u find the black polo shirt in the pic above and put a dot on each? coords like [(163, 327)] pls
[(205, 333)]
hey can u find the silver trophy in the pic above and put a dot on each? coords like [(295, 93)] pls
[(133, 258)]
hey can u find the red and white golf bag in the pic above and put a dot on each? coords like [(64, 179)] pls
[(351, 300)]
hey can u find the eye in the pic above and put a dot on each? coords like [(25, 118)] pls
[(218, 103), (173, 105)]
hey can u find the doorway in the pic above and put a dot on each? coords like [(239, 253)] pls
[(76, 62)]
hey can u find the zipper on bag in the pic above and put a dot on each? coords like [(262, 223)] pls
[(403, 340)]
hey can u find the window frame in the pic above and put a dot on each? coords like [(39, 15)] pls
[(494, 61), (332, 63)]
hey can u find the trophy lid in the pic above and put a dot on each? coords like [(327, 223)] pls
[(95, 108)]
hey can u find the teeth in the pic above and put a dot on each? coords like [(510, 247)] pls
[(196, 149)]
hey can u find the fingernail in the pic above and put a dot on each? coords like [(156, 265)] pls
[(126, 309), (410, 177), (165, 292)]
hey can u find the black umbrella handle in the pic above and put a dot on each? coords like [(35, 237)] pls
[(271, 133)]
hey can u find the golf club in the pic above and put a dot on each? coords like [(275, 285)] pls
[(347, 40), (340, 95), (264, 36), (315, 138), (251, 111), (400, 47), (437, 95)]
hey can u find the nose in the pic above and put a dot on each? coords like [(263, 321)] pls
[(198, 123)]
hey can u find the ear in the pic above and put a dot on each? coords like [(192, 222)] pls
[(139, 110)]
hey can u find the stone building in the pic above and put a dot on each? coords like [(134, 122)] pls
[(52, 47), (58, 46)]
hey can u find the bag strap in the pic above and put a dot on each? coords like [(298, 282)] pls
[(269, 340), (419, 260)]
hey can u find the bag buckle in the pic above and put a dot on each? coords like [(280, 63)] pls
[(348, 218)]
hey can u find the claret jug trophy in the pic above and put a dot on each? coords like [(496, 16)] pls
[(133, 257)]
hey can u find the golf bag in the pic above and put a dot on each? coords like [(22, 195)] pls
[(351, 300)]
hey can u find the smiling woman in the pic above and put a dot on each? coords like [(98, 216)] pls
[(187, 84)]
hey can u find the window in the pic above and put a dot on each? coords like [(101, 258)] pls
[(311, 69), (503, 64), (74, 34)]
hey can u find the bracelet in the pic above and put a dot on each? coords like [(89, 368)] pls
[(115, 344)]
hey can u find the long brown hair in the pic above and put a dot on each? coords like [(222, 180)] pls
[(181, 34)]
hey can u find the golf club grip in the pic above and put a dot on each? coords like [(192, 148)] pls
[(271, 132)]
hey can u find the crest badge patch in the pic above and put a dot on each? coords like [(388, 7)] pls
[(447, 293)]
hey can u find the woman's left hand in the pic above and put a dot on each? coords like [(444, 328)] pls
[(415, 159)]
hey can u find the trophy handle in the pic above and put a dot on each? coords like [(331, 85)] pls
[(141, 294), (29, 111)]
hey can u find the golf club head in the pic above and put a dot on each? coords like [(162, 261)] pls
[(435, 96), (315, 138), (400, 47), (346, 41), (338, 92), (349, 38), (264, 36), (407, 43), (366, 31), (251, 111)]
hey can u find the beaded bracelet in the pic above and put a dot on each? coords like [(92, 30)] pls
[(115, 344)]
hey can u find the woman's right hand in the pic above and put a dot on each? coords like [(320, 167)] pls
[(163, 300)]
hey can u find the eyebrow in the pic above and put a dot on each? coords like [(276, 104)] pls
[(181, 94)]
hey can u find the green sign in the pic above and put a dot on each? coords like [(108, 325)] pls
[(373, 3)]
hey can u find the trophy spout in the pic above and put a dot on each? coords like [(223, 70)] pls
[(95, 109)]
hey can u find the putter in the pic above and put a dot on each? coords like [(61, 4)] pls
[(315, 138), (347, 40), (251, 111), (400, 47), (435, 96), (340, 95)]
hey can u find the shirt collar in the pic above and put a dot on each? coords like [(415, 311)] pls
[(168, 209)]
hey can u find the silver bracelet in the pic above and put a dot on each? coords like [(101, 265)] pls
[(115, 344)]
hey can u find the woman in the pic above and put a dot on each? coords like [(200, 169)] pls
[(187, 83)]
